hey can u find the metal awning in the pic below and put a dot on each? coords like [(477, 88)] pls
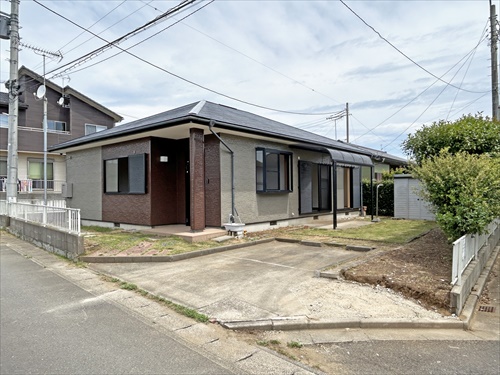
[(350, 158), (340, 156)]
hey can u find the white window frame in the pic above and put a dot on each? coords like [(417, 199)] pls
[(54, 129), (98, 128)]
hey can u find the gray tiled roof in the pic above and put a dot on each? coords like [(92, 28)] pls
[(224, 117)]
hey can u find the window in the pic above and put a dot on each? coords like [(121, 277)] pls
[(57, 125), (315, 187), (35, 173), (91, 128), (125, 175), (273, 170), (4, 120), (3, 167)]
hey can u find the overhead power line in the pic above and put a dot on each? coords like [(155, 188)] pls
[(406, 56), (251, 58), (467, 70), (91, 26), (422, 92), (173, 74), (423, 112), (114, 43)]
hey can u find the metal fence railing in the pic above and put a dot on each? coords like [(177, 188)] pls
[(30, 185), (466, 248), (67, 219)]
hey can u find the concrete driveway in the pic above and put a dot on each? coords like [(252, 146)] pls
[(268, 280)]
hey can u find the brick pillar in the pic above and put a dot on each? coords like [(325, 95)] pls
[(197, 179)]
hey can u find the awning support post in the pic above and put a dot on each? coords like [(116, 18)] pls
[(371, 189), (334, 195)]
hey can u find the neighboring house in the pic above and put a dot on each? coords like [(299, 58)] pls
[(382, 162), (70, 115), (176, 168)]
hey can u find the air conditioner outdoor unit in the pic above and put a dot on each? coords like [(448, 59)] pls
[(67, 190)]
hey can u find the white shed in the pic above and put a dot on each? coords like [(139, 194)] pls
[(407, 202)]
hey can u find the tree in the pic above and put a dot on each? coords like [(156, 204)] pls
[(464, 190), (470, 134)]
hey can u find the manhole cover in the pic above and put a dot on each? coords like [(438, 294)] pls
[(486, 308)]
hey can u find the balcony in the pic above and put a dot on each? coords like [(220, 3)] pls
[(34, 186)]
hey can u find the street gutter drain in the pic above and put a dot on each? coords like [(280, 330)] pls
[(487, 308)]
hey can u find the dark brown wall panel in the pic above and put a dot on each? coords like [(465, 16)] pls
[(128, 208), (212, 181)]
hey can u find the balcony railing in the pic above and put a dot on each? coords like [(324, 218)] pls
[(30, 185)]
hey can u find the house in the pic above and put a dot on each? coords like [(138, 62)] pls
[(199, 163), (70, 114)]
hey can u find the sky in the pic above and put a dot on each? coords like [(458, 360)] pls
[(399, 64)]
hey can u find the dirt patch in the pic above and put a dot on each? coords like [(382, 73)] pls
[(420, 270)]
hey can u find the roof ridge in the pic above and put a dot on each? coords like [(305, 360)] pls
[(198, 107)]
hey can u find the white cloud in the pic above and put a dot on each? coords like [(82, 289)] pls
[(331, 55)]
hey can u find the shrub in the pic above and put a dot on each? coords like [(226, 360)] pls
[(464, 190), (385, 198), (471, 134)]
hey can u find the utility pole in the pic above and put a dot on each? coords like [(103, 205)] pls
[(494, 61), (13, 87), (347, 121)]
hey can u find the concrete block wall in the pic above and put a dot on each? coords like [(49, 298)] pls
[(460, 293), (69, 245), (4, 221)]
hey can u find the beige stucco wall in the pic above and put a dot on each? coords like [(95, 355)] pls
[(256, 207), (378, 168), (22, 164)]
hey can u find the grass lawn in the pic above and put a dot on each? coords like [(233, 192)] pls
[(391, 231), (387, 230), (107, 240)]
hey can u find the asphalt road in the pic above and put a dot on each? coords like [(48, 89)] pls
[(413, 357), (51, 326)]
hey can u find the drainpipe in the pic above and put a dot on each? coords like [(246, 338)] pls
[(211, 125)]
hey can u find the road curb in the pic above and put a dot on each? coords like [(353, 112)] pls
[(169, 258), (293, 324)]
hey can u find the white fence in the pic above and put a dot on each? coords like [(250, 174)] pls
[(67, 219), (465, 250)]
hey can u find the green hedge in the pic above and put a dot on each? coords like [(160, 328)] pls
[(385, 198)]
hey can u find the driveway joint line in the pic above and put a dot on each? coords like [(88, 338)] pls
[(269, 263)]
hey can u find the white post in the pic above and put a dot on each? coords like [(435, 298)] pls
[(44, 150)]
